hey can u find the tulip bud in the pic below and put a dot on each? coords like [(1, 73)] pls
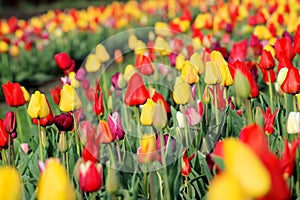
[(160, 117), (241, 85), (182, 91), (179, 62), (44, 137), (282, 75), (90, 176), (147, 112), (92, 63), (206, 95), (293, 123), (259, 118), (9, 122), (128, 72), (212, 73), (112, 181), (62, 143), (101, 53)]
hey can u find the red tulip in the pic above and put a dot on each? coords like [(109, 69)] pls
[(91, 152), (283, 47), (238, 51), (104, 133), (287, 160), (98, 106), (237, 65), (291, 84), (151, 50), (136, 93), (269, 120), (90, 176), (284, 62), (63, 60), (3, 136), (186, 167), (157, 96), (144, 64), (64, 121), (13, 93), (265, 74), (297, 40), (266, 60), (255, 44), (56, 94), (9, 122)]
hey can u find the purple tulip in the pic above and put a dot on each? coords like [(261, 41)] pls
[(9, 122), (115, 125), (166, 138), (172, 57), (114, 80), (80, 75), (64, 121)]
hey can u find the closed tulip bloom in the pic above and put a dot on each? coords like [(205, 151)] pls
[(193, 117), (189, 72), (160, 117), (131, 41), (10, 122), (115, 125), (105, 135), (3, 136), (179, 62), (38, 106), (266, 60), (136, 93), (74, 82), (212, 74), (101, 53), (182, 91), (197, 62), (147, 151), (54, 177), (63, 60), (10, 184), (92, 63), (140, 47), (14, 94), (218, 59), (55, 93), (45, 121), (69, 100), (293, 123), (144, 64), (98, 106), (283, 47), (64, 121), (90, 176), (147, 112), (161, 46), (128, 72), (291, 83)]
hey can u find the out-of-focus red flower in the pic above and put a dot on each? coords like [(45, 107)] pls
[(260, 18), (98, 106), (186, 167), (144, 64), (104, 133), (284, 62), (238, 51), (283, 47), (287, 160), (55, 93), (63, 60), (265, 74), (9, 122), (266, 60), (237, 65), (291, 84), (13, 94), (157, 96), (269, 120), (297, 40), (90, 176), (3, 136), (151, 50), (136, 93)]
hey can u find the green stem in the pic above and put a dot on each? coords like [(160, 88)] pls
[(67, 162), (145, 182), (162, 149), (199, 91), (216, 107), (270, 90), (186, 183), (9, 149), (78, 146), (137, 115), (248, 111), (118, 151), (294, 103), (226, 96), (152, 190), (40, 141), (4, 159), (19, 125)]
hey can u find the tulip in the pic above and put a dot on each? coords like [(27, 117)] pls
[(160, 117), (115, 79), (54, 176), (182, 91), (56, 94), (112, 181), (118, 56), (128, 72), (266, 75), (269, 120), (283, 47), (291, 83), (38, 106), (98, 106), (186, 167), (179, 62), (74, 83), (147, 112), (293, 123), (136, 93), (140, 47), (266, 61), (218, 59), (197, 62), (115, 125), (105, 135), (189, 72), (238, 51), (90, 176), (69, 100), (172, 57), (92, 63), (162, 29), (62, 142), (9, 122), (161, 46), (131, 41), (3, 47), (3, 136), (63, 60), (101, 53), (180, 119), (193, 117), (147, 151), (14, 51), (144, 65), (81, 74), (287, 160), (64, 121), (14, 94), (155, 96), (165, 143), (10, 184), (212, 74)]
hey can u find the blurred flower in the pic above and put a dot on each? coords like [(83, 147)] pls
[(160, 117), (182, 91), (144, 65), (69, 100), (54, 176), (161, 46), (147, 151), (238, 51), (74, 83), (147, 112), (10, 122), (287, 160), (10, 183), (297, 40), (186, 167), (118, 56), (140, 47), (63, 61), (269, 120), (162, 29), (104, 133), (64, 121), (98, 106), (222, 65), (166, 142), (90, 176), (196, 61), (193, 117), (3, 47), (128, 72), (179, 62), (3, 136), (14, 51), (131, 41), (266, 60), (283, 47), (189, 72), (55, 93), (212, 74), (115, 125), (38, 106), (293, 123), (92, 63), (101, 53), (14, 94), (136, 93)]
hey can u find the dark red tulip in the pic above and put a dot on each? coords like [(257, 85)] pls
[(144, 64), (266, 60), (136, 93), (9, 122), (13, 94), (64, 121)]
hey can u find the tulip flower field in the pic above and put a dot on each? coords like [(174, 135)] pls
[(186, 99)]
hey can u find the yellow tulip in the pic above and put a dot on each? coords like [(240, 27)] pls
[(101, 53), (128, 72), (3, 47), (262, 32), (197, 62), (242, 164), (179, 62), (189, 72), (54, 183), (131, 41), (270, 48), (74, 82), (10, 184), (69, 100), (182, 91), (92, 63), (162, 29), (161, 46), (140, 47), (38, 106), (218, 59), (202, 19), (212, 73), (25, 93), (147, 112)]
